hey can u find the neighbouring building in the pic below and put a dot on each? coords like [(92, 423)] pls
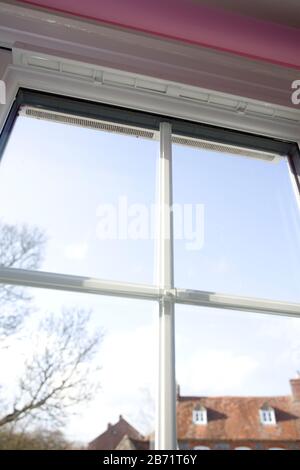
[(221, 423), (119, 436)]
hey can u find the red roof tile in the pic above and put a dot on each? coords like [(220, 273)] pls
[(229, 419), (237, 418)]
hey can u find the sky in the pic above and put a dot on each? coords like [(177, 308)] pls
[(72, 183)]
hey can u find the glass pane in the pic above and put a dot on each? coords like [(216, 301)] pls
[(244, 363), (243, 237), (77, 362), (88, 191)]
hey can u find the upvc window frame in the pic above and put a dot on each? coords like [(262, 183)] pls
[(21, 75), (200, 416), (267, 416)]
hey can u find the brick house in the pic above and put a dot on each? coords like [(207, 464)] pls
[(222, 423)]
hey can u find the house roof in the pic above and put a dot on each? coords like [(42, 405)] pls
[(229, 418), (111, 438), (237, 418)]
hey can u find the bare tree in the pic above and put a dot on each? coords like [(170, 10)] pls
[(40, 439), (20, 247), (59, 372), (145, 416)]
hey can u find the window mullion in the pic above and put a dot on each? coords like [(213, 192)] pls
[(166, 438)]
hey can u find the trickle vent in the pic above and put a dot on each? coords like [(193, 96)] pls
[(85, 122), (223, 148), (144, 133)]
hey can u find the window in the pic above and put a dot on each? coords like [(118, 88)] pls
[(242, 236), (104, 350), (267, 415), (91, 191), (234, 380), (201, 448), (200, 416)]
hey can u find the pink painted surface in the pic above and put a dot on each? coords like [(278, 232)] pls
[(188, 21)]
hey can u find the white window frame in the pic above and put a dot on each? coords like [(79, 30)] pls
[(200, 416), (46, 71), (267, 416)]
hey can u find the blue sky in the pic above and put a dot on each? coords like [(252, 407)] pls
[(252, 225), (55, 177)]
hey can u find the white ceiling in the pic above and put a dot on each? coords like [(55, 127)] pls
[(285, 12)]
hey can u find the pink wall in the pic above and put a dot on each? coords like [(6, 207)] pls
[(187, 21)]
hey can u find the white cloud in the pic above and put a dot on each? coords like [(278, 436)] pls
[(76, 251), (128, 364), (287, 331), (214, 372)]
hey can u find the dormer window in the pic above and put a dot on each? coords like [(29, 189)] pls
[(200, 415), (267, 415)]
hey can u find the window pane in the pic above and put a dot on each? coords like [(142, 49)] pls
[(246, 238), (244, 365), (88, 191), (73, 382)]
